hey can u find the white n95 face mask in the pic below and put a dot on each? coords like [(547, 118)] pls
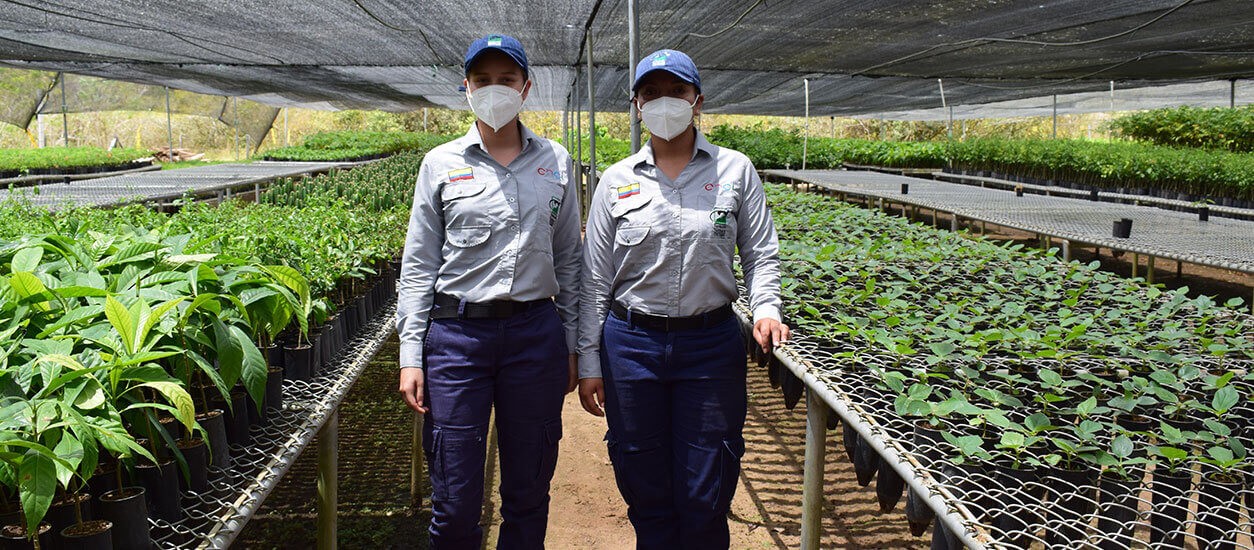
[(495, 105), (667, 117)]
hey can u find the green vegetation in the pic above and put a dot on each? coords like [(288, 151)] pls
[(111, 319), (999, 346), (1128, 167), (66, 160), (1219, 128), (353, 146)]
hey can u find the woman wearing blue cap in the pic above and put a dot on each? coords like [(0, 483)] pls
[(660, 351), (487, 306)]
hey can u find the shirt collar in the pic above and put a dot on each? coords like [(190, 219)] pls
[(473, 138), (645, 154)]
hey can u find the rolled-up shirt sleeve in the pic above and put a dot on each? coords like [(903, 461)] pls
[(598, 275), (419, 267), (568, 259), (759, 249)]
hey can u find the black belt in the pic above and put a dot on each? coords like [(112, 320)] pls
[(664, 323), (451, 307)]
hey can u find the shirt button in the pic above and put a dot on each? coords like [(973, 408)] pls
[(510, 199)]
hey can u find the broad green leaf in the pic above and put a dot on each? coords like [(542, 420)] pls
[(253, 369), (1224, 399), (123, 323), (230, 353), (178, 397), (150, 318), (26, 284), (27, 259), (70, 450), (37, 481)]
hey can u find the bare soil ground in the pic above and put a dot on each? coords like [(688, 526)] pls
[(586, 509)]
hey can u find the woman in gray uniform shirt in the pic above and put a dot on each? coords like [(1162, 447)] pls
[(660, 351), (486, 306)]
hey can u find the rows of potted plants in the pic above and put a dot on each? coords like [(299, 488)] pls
[(139, 347), (1047, 391), (1214, 128), (69, 160), (349, 145), (1189, 174)]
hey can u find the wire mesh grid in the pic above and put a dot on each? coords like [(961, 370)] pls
[(213, 519), (1005, 506), (161, 185)]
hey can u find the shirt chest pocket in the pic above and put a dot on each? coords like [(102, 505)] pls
[(468, 236), (461, 202)]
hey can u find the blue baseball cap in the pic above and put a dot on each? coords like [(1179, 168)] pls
[(508, 44), (672, 61)]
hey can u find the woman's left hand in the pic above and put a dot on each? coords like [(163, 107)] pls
[(769, 333)]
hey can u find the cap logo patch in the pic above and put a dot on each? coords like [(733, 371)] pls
[(659, 60), (494, 40)]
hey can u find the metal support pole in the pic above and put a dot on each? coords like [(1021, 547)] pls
[(816, 454), (1055, 134), (169, 125), (65, 118), (1066, 250), (633, 56), (953, 222), (805, 143), (832, 120), (424, 120), (1109, 131), (592, 129), (235, 109), (1232, 93), (1136, 262), (415, 463), (1149, 269), (328, 480), (287, 132)]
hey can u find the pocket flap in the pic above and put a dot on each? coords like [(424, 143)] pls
[(641, 446), (469, 235), (457, 190), (625, 205), (631, 235)]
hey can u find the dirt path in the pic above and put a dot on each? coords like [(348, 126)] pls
[(586, 509)]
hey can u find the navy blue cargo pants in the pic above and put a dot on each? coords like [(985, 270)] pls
[(519, 365), (675, 404)]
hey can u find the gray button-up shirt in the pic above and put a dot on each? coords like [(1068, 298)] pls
[(665, 247), (481, 231)]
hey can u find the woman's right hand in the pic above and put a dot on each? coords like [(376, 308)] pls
[(592, 396), (412, 387)]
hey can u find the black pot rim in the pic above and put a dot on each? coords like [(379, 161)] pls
[(103, 526)]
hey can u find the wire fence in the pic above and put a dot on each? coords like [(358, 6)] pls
[(214, 518)]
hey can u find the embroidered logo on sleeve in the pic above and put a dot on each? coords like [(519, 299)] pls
[(461, 174), (629, 190)]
